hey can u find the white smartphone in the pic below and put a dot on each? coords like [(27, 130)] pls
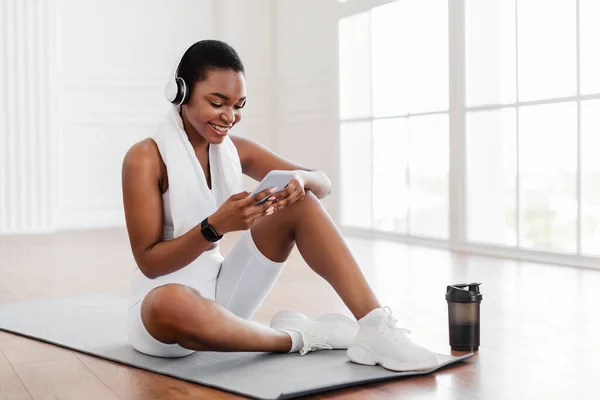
[(277, 179)]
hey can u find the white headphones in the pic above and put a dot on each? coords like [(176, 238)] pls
[(176, 90)]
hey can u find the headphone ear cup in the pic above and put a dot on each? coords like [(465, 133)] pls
[(176, 91), (183, 91), (171, 90)]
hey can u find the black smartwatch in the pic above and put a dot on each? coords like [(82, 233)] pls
[(209, 232)]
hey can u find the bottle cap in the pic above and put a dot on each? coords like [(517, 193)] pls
[(464, 293)]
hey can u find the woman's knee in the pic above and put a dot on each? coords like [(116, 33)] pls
[(165, 308), (311, 198), (310, 202)]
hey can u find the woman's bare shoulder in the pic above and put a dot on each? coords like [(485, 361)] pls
[(142, 154), (143, 158)]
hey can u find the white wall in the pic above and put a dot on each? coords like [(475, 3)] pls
[(111, 59), (85, 80), (248, 27), (289, 48), (307, 87), (25, 162)]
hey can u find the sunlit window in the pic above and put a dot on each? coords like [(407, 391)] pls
[(394, 118), (529, 122)]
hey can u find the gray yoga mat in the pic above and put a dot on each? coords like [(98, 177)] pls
[(96, 325)]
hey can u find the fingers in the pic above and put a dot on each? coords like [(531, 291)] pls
[(260, 196), (283, 199), (255, 210), (294, 192), (288, 191), (287, 202), (239, 196), (270, 210), (265, 208), (271, 202)]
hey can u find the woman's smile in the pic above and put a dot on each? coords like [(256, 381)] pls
[(219, 129)]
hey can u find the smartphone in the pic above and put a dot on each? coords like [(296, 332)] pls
[(277, 179)]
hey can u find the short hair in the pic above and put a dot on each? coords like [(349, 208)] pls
[(207, 55)]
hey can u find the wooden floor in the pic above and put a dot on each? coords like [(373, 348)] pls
[(540, 324)]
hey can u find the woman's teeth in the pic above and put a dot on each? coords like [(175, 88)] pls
[(220, 128)]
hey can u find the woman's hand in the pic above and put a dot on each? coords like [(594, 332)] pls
[(293, 192), (238, 212)]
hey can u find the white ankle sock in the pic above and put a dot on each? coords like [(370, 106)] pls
[(297, 342), (373, 317)]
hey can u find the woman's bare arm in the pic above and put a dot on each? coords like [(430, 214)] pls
[(257, 161), (142, 199)]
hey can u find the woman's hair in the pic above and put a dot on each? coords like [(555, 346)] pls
[(207, 55)]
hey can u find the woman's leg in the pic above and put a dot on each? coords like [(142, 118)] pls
[(179, 314), (307, 225)]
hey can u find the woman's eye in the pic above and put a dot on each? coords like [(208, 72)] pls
[(215, 105)]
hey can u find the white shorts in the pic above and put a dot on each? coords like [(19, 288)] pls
[(244, 281)]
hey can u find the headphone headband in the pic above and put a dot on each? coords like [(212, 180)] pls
[(176, 89)]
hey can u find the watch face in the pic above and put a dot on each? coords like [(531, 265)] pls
[(212, 232), (209, 233)]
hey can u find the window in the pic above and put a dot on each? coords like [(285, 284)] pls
[(528, 122), (528, 185), (394, 118), (590, 177)]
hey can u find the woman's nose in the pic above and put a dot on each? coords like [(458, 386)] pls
[(228, 117)]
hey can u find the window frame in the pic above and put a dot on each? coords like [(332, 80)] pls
[(457, 111)]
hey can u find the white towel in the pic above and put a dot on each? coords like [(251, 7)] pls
[(190, 198)]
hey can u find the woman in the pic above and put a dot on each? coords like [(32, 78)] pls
[(185, 296)]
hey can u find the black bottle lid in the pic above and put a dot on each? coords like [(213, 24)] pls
[(464, 293)]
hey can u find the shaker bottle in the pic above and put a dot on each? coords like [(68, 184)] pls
[(463, 315)]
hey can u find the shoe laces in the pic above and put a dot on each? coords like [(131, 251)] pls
[(314, 341), (390, 324)]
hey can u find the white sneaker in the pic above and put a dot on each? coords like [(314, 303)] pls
[(327, 332), (381, 342)]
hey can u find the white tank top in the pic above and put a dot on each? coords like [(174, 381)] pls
[(188, 201), (201, 276), (167, 219)]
